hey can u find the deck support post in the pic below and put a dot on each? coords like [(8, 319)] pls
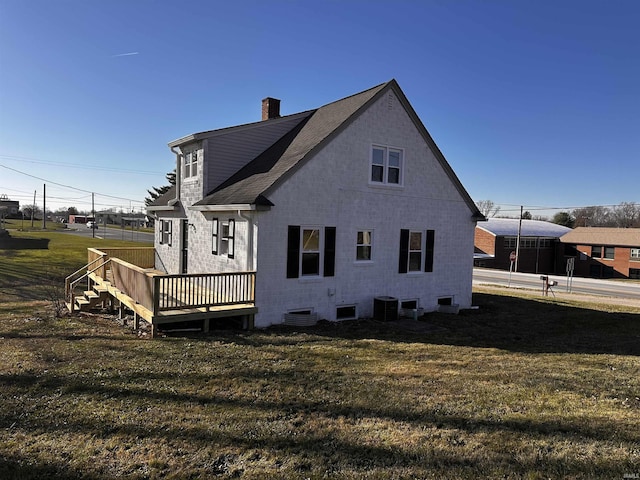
[(154, 330), (205, 325), (136, 321), (121, 314), (247, 322)]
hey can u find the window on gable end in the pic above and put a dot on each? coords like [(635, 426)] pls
[(386, 165)]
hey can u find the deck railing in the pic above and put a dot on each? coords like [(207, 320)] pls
[(176, 292), (143, 257), (133, 281), (132, 274)]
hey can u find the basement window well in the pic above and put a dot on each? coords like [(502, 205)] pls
[(346, 312), (445, 301)]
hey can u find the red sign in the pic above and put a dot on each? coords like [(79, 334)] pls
[(512, 256)]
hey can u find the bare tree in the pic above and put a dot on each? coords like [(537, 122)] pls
[(593, 216), (488, 208), (626, 215)]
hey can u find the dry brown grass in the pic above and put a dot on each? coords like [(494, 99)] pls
[(521, 388)]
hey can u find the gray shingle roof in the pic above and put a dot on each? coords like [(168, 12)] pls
[(253, 183), (530, 228)]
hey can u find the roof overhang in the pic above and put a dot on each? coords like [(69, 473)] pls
[(245, 207), (194, 137), (163, 208)]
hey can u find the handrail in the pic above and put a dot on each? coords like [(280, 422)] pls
[(72, 285), (66, 280)]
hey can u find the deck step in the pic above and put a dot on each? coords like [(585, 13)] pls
[(90, 295), (82, 302), (100, 289)]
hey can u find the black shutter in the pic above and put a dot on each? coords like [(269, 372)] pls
[(329, 251), (428, 254), (293, 252), (404, 251), (214, 236)]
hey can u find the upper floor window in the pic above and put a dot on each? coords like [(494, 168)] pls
[(635, 253), (609, 252), (596, 252), (190, 164), (386, 165)]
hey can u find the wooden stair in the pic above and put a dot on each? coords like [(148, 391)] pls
[(90, 298)]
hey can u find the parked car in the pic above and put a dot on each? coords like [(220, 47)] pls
[(92, 225)]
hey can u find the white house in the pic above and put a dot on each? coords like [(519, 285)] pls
[(331, 208)]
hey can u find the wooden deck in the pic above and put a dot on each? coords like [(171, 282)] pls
[(127, 278)]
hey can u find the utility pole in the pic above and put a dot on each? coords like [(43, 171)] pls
[(93, 214), (44, 206), (518, 240), (33, 207)]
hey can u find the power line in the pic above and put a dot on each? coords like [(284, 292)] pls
[(75, 165), (68, 186)]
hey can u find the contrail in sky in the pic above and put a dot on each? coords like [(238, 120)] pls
[(125, 54)]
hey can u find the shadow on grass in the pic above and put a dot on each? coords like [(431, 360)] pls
[(10, 243), (316, 447), (508, 323)]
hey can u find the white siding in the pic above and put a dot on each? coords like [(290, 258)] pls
[(332, 189)]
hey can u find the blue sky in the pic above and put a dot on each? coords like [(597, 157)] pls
[(533, 103)]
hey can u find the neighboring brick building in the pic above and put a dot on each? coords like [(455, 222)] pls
[(603, 252), (331, 207), (540, 251)]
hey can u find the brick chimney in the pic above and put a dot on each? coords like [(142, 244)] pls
[(270, 108)]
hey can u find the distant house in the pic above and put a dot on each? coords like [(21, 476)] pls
[(604, 252), (11, 207), (332, 208), (540, 250)]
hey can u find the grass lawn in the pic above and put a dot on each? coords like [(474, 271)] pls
[(523, 387), (41, 261)]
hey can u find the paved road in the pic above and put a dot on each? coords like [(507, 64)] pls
[(588, 286), (113, 234)]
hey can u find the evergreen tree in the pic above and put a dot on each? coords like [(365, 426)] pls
[(157, 191)]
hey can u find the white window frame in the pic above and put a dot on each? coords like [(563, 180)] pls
[(319, 252), (364, 244), (190, 164), (635, 254), (166, 232), (386, 165), (421, 251), (227, 238)]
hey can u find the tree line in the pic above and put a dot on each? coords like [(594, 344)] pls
[(624, 215)]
